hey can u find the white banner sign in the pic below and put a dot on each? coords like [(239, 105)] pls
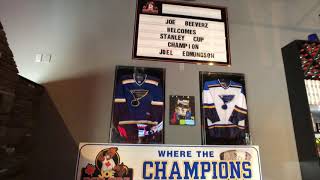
[(140, 162), (170, 31)]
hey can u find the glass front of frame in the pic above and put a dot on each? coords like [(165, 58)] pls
[(138, 105), (224, 111)]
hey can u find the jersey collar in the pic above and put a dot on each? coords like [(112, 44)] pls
[(224, 87), (139, 84)]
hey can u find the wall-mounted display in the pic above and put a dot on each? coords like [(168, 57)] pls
[(143, 162), (176, 31), (182, 110), (224, 111), (138, 105)]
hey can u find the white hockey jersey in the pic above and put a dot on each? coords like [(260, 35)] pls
[(225, 109)]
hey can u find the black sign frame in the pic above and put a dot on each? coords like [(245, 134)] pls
[(224, 18), (237, 77)]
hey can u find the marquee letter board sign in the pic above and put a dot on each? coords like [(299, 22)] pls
[(172, 31)]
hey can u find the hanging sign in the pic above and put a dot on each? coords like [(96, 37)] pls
[(172, 31), (140, 162)]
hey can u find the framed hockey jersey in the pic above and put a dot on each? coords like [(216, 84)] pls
[(224, 110), (138, 106)]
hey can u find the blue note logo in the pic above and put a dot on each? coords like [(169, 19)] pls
[(226, 99), (138, 94)]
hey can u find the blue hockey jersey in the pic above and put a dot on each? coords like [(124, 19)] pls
[(225, 109), (138, 103)]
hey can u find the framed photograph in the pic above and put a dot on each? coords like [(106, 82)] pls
[(181, 32), (182, 110), (138, 105), (224, 112)]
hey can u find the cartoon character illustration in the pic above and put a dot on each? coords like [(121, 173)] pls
[(108, 163), (107, 166)]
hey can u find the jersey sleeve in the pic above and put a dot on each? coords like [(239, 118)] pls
[(119, 102), (208, 106), (157, 103), (241, 110)]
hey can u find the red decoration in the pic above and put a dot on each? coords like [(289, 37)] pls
[(90, 169), (310, 59)]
